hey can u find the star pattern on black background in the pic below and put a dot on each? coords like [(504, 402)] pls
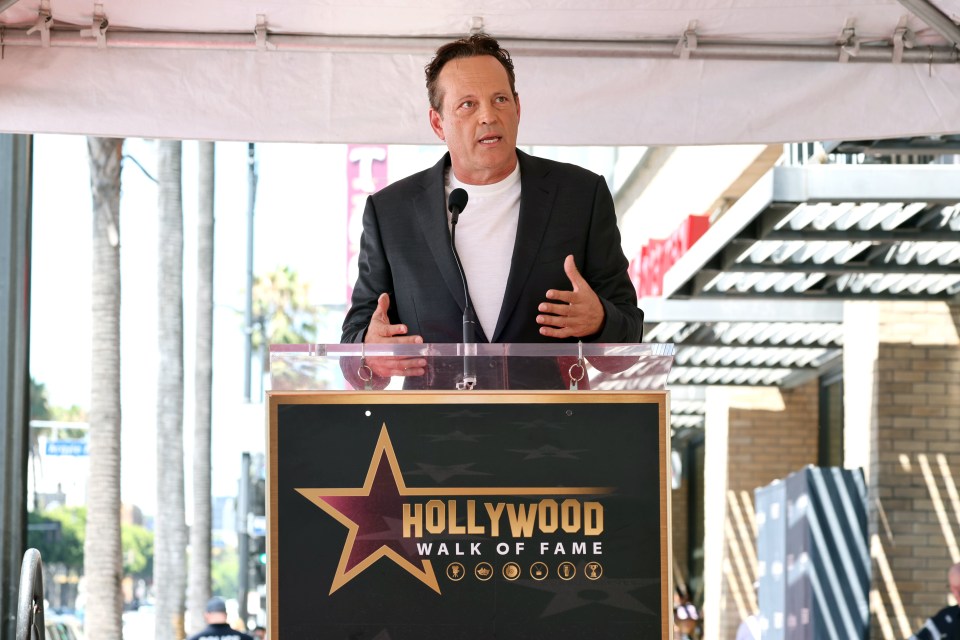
[(611, 592), (456, 436), (442, 473), (549, 451)]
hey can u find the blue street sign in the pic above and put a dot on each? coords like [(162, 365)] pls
[(67, 448)]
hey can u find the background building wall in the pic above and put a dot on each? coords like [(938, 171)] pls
[(913, 440), (770, 433)]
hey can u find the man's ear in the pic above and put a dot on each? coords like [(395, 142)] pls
[(516, 98), (436, 123)]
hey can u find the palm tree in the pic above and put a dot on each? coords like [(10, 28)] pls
[(285, 315), (199, 574), (102, 550), (170, 544), (282, 306)]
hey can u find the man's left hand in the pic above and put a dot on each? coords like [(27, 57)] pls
[(577, 313)]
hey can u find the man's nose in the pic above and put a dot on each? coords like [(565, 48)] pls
[(488, 114)]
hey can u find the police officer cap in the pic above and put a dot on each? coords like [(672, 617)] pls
[(216, 604)]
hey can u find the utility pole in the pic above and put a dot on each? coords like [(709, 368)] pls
[(243, 538), (16, 171), (248, 309)]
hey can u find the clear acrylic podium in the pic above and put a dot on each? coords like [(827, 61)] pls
[(602, 367), (421, 492)]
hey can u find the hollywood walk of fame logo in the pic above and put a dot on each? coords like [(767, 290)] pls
[(370, 514)]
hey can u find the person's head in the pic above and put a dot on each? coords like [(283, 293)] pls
[(216, 611), (474, 107), (478, 44), (260, 632), (953, 578)]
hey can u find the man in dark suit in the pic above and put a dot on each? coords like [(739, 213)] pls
[(538, 239)]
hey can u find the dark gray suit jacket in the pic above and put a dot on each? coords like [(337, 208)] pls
[(564, 209)]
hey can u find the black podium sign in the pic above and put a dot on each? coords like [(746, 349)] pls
[(444, 516)]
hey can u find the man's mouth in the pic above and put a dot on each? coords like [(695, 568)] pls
[(490, 139)]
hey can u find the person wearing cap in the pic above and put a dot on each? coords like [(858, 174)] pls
[(215, 614)]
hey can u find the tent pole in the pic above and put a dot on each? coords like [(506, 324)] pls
[(705, 49), (935, 18), (6, 4)]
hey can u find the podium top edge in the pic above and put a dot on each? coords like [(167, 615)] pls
[(525, 350)]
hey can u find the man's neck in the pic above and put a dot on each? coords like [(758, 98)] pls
[(482, 178)]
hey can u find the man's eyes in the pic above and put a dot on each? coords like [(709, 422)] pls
[(470, 104)]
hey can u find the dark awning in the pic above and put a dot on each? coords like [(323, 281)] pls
[(745, 342), (854, 232)]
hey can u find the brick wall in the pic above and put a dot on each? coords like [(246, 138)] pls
[(765, 441), (915, 464)]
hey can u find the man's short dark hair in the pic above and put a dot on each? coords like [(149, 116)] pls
[(479, 44)]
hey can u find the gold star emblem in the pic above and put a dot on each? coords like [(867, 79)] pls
[(362, 510)]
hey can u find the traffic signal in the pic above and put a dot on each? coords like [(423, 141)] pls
[(258, 495), (258, 559)]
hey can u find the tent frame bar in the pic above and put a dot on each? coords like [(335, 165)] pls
[(6, 4), (937, 20), (704, 49)]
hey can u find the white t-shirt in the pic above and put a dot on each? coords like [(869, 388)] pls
[(486, 233)]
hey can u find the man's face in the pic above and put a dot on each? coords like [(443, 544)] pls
[(479, 119), (954, 579)]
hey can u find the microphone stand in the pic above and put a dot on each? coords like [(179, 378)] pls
[(469, 381)]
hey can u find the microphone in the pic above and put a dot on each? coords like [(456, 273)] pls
[(456, 203)]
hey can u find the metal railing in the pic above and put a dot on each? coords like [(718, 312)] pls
[(30, 604), (904, 151)]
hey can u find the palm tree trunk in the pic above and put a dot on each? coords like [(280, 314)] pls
[(102, 565), (170, 569), (199, 578)]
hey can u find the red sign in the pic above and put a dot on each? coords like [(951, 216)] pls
[(655, 259), (366, 174)]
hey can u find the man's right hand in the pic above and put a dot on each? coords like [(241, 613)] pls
[(380, 331)]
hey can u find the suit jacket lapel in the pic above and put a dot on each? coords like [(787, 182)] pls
[(536, 202), (431, 213)]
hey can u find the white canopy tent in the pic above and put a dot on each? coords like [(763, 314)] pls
[(609, 72)]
